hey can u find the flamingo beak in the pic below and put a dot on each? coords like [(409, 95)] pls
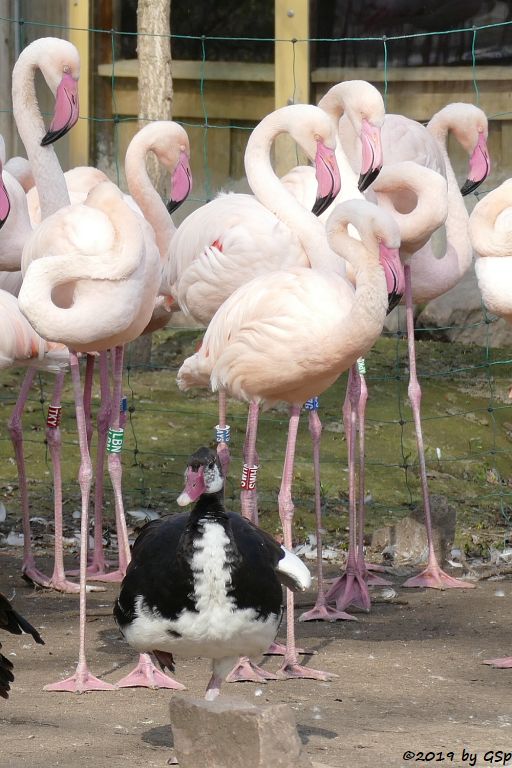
[(66, 110), (372, 155), (327, 176), (5, 203), (394, 272), (479, 166), (194, 486), (181, 183)]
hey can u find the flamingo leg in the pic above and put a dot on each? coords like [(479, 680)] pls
[(245, 670), (88, 377), (58, 580), (321, 611), (222, 431), (432, 576), (98, 565), (365, 569), (351, 588), (82, 680), (290, 667), (28, 566)]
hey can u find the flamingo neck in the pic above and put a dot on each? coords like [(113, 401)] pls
[(146, 196), (48, 176), (272, 194)]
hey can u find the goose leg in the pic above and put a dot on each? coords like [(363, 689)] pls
[(321, 611), (432, 576), (290, 667), (82, 680)]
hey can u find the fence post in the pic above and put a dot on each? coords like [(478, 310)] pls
[(291, 66), (78, 22)]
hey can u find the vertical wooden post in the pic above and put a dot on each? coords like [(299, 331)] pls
[(78, 21), (291, 66)]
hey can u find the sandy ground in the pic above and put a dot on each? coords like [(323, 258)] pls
[(411, 684)]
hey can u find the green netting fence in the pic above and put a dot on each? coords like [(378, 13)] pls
[(466, 409)]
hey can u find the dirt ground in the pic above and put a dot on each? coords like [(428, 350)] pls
[(410, 680)]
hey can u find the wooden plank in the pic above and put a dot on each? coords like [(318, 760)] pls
[(249, 102), (197, 70), (374, 74), (78, 19), (292, 66)]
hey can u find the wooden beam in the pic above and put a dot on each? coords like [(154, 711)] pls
[(291, 67), (78, 21)]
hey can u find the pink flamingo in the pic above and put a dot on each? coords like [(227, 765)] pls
[(490, 230), (315, 321), (235, 237), (92, 277), (426, 275)]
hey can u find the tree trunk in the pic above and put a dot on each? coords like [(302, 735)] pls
[(155, 101)]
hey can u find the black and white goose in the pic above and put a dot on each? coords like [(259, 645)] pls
[(205, 582)]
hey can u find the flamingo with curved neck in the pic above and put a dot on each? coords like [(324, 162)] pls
[(316, 322)]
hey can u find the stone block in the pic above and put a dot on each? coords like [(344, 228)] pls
[(408, 537), (231, 732)]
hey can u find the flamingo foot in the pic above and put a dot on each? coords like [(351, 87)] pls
[(35, 577), (293, 671), (435, 578), (504, 663), (115, 576), (80, 682), (377, 581), (146, 675), (323, 612), (93, 568), (247, 672), (350, 589), (276, 649)]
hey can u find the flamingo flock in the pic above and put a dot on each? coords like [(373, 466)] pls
[(292, 283)]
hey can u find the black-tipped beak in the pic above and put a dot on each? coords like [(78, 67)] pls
[(322, 204), (51, 136), (469, 186), (394, 300), (365, 179), (173, 205)]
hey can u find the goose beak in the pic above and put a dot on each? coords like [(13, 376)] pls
[(372, 155), (66, 110), (5, 203), (479, 167), (181, 183), (394, 272), (194, 486), (327, 176)]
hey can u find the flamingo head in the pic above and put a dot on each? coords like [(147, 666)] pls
[(5, 203), (394, 273), (202, 475), (479, 165), (181, 182), (327, 176), (372, 154), (66, 108)]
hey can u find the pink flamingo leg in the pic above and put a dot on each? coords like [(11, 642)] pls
[(82, 680), (88, 377), (504, 663), (222, 445), (290, 667), (246, 670), (432, 576), (351, 588), (364, 568), (320, 611), (115, 471), (58, 580), (98, 565), (28, 566), (249, 495)]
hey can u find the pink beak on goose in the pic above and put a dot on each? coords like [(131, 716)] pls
[(194, 486), (66, 110)]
